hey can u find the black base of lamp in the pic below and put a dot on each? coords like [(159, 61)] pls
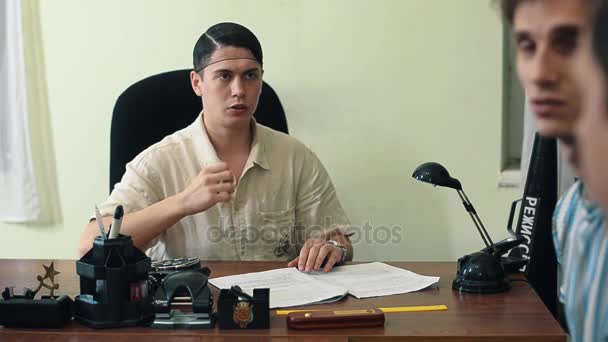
[(480, 273)]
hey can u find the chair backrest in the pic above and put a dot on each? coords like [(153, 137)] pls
[(162, 104)]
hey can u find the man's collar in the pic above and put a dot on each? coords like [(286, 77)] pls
[(207, 156), (257, 152), (591, 208)]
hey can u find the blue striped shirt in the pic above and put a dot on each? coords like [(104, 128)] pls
[(581, 244)]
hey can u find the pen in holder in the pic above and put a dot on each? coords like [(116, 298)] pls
[(113, 285)]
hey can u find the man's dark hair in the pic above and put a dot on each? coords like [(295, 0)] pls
[(224, 34), (508, 7), (600, 34)]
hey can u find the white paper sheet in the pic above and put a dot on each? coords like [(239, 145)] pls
[(288, 287), (375, 279)]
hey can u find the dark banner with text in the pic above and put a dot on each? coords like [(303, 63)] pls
[(535, 221)]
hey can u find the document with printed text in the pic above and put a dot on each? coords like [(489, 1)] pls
[(290, 287), (375, 279)]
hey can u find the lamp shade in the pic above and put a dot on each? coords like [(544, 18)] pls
[(436, 174), (479, 272)]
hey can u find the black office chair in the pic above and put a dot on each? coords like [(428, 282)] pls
[(162, 104)]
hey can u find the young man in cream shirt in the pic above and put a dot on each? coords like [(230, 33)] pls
[(227, 188)]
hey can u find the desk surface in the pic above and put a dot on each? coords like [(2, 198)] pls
[(517, 315)]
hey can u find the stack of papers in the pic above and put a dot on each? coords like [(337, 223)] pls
[(290, 287)]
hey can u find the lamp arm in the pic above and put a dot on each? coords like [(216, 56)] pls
[(478, 224)]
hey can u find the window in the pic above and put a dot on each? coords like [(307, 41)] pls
[(512, 115)]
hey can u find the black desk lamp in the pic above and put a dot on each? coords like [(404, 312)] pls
[(480, 272)]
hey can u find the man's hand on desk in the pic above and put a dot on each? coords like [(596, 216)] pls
[(314, 253)]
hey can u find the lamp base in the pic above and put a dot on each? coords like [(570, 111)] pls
[(480, 273)]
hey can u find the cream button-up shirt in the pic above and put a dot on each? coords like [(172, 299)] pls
[(283, 197)]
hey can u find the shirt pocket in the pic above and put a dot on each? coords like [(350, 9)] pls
[(276, 235)]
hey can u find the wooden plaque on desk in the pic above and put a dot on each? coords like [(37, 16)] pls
[(328, 319)]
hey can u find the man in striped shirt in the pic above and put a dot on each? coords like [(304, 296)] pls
[(581, 238), (591, 70), (547, 35)]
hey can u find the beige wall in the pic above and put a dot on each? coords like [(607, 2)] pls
[(374, 87)]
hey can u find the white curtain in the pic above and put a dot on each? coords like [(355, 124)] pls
[(565, 174), (19, 199)]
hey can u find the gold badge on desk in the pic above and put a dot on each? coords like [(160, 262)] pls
[(243, 314)]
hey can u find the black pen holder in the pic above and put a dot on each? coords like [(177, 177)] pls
[(240, 313), (113, 285)]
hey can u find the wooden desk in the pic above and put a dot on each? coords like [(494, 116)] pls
[(517, 315)]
